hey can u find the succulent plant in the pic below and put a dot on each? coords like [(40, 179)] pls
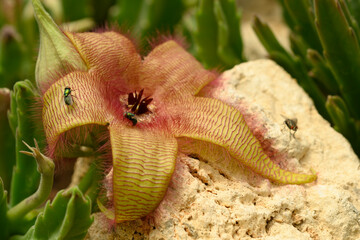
[(146, 19), (68, 216), (215, 33), (18, 41), (326, 58)]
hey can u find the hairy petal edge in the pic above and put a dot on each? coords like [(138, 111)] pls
[(213, 121), (169, 72), (143, 163)]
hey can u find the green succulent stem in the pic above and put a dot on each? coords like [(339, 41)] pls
[(302, 15), (68, 216), (341, 50), (343, 122), (46, 168), (217, 37), (90, 183), (25, 179), (292, 64), (7, 140)]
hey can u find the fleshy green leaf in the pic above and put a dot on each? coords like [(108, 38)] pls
[(267, 38), (343, 121), (349, 17), (302, 15), (229, 39), (10, 46), (299, 47), (321, 72), (75, 10), (291, 64), (343, 58), (217, 37), (100, 10), (90, 183), (145, 18), (286, 15), (20, 217), (66, 217), (3, 209), (7, 140), (206, 34), (233, 19), (129, 12), (25, 178), (354, 8)]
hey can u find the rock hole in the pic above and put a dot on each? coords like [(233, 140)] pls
[(194, 155), (268, 223), (248, 232)]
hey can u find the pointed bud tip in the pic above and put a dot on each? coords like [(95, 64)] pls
[(57, 54)]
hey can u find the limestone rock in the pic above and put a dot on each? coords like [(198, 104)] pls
[(219, 201)]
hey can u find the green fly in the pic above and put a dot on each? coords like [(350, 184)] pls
[(131, 117), (67, 96)]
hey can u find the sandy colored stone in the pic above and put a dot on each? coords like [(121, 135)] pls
[(226, 201)]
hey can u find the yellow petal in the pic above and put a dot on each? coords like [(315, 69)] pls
[(88, 107), (173, 73), (143, 163), (213, 121)]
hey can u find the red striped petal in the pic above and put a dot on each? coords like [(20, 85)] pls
[(111, 55), (89, 105), (213, 121), (143, 163), (169, 72)]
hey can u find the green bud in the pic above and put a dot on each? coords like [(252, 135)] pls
[(57, 54)]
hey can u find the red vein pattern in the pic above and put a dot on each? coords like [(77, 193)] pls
[(213, 121), (89, 106), (177, 72), (143, 164), (111, 54)]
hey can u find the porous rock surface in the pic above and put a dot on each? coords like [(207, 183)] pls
[(207, 200)]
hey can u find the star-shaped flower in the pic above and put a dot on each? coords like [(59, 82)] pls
[(147, 105)]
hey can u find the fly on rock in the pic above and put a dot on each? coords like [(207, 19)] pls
[(292, 125)]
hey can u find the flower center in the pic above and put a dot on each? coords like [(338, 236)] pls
[(137, 105)]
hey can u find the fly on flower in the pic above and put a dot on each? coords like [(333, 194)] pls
[(131, 117), (67, 96)]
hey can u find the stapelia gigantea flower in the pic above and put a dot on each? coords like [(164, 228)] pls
[(108, 75)]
